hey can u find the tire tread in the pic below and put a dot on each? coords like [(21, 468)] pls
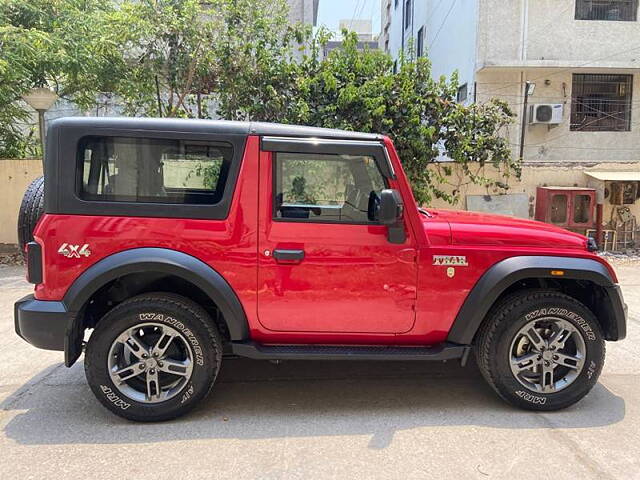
[(497, 318), (31, 209), (174, 300)]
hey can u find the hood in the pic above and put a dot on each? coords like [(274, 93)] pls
[(472, 228)]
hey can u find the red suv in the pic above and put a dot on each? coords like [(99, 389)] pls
[(166, 244)]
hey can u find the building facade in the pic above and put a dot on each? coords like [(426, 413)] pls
[(581, 59), (304, 12), (419, 27), (579, 54), (362, 28)]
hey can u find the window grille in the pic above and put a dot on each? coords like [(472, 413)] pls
[(601, 103), (612, 10)]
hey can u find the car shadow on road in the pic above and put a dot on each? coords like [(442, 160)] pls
[(257, 400)]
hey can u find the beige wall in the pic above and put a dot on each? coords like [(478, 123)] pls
[(15, 176), (534, 176), (545, 32), (557, 143)]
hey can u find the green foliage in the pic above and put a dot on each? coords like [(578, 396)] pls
[(176, 58), (180, 53), (356, 90), (60, 44), (210, 174), (17, 141), (255, 74), (167, 47)]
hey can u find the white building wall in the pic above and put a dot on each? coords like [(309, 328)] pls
[(451, 38), (498, 45), (396, 40), (501, 44), (303, 11), (450, 35), (383, 38)]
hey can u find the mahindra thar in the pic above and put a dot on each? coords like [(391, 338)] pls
[(162, 245)]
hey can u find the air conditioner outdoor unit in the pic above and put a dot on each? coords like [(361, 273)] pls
[(549, 113)]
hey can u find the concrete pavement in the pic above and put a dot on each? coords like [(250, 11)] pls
[(317, 420)]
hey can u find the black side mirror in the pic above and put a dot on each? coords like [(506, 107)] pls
[(390, 214), (391, 207)]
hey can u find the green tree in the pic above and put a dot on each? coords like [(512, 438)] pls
[(357, 90), (181, 53), (256, 78), (60, 44), (166, 45)]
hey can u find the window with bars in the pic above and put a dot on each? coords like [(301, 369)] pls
[(613, 10), (420, 42), (601, 103)]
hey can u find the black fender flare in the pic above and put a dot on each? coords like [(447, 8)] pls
[(505, 273), (161, 260)]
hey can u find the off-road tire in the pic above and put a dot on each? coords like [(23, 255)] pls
[(176, 312), (494, 340), (31, 209)]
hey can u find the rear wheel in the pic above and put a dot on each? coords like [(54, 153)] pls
[(541, 350), (153, 357)]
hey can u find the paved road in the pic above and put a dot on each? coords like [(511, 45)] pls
[(316, 420)]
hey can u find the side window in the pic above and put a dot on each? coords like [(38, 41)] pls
[(123, 169), (326, 187)]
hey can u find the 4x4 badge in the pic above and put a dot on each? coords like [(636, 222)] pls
[(74, 251), (450, 260)]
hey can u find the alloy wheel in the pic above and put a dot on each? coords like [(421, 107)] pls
[(547, 355), (150, 362)]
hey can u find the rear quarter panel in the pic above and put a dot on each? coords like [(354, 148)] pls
[(229, 246)]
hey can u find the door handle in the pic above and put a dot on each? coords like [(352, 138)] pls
[(288, 256)]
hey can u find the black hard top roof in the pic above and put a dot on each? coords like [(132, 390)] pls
[(204, 126)]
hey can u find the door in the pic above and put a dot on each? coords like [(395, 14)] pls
[(325, 264)]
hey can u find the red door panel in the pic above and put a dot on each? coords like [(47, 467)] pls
[(351, 278)]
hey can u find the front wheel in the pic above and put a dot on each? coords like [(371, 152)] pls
[(541, 350), (153, 357)]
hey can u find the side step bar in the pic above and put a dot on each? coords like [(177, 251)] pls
[(444, 351)]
